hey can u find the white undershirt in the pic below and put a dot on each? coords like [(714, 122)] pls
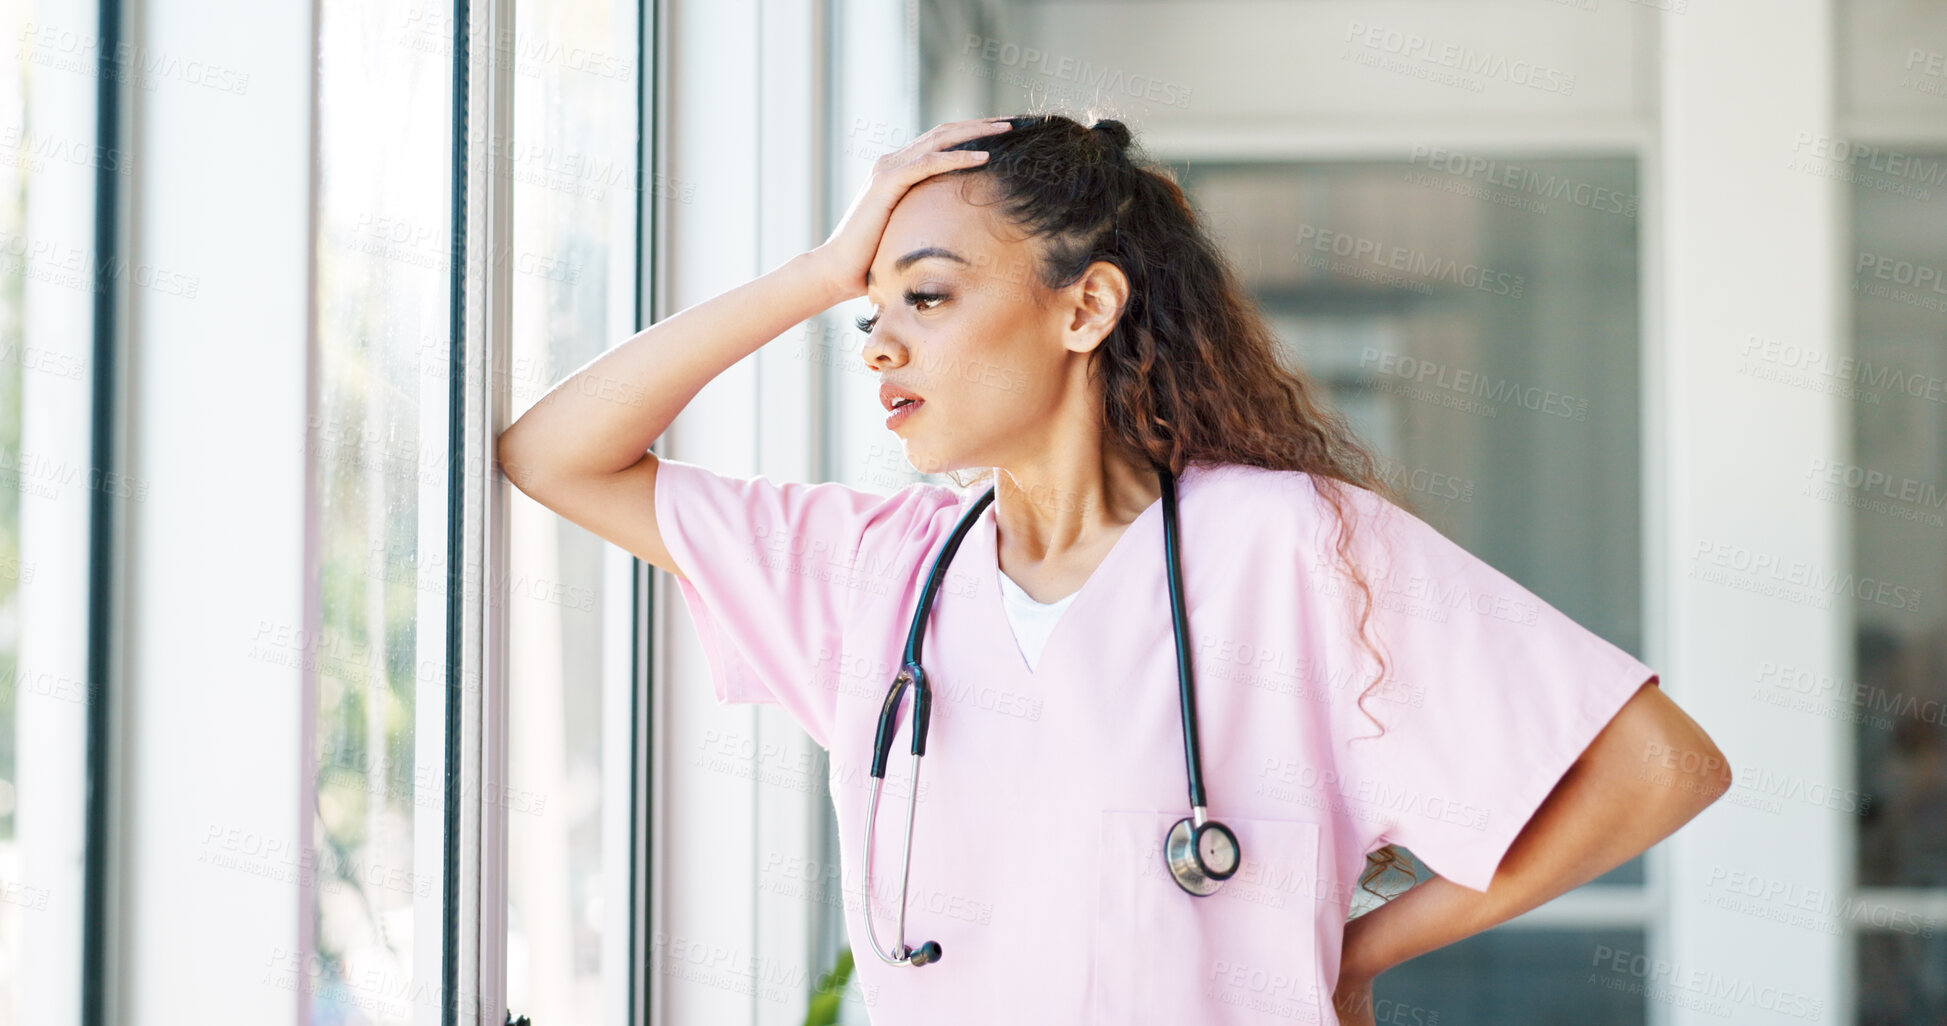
[(1032, 620)]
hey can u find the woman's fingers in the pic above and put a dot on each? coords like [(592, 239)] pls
[(930, 153), (948, 133), (952, 133), (904, 174)]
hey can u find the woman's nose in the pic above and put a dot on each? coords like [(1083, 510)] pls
[(881, 351)]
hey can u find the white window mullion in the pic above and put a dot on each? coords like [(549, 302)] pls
[(481, 678), (1730, 269)]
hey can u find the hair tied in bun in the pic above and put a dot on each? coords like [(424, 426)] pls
[(1117, 132)]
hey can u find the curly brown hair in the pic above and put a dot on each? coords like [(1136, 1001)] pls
[(1191, 371)]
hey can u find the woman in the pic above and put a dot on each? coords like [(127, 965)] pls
[(1047, 312)]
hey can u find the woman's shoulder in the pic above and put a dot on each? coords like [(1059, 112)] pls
[(918, 512), (827, 514), (1249, 490), (1288, 507), (1250, 482), (1247, 505)]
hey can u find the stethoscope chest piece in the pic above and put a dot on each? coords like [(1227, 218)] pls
[(1201, 853)]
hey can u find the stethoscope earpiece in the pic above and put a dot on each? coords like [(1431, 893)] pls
[(1202, 853)]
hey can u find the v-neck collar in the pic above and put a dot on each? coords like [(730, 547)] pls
[(988, 531)]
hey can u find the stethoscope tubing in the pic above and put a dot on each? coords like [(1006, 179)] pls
[(865, 874), (911, 674), (1183, 847), (1192, 751)]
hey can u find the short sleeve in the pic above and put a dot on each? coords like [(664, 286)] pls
[(770, 573), (1491, 694)]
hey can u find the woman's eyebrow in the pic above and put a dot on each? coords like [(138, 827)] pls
[(916, 256)]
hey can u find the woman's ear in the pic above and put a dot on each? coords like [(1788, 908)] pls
[(1094, 303)]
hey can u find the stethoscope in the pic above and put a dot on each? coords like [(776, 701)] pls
[(1201, 853)]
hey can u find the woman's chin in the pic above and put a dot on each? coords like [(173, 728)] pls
[(922, 462), (926, 460)]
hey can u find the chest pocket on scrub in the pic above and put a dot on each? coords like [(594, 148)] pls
[(1247, 954)]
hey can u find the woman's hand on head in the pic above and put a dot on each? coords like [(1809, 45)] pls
[(847, 255)]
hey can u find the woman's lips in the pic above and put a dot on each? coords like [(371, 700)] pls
[(900, 413)]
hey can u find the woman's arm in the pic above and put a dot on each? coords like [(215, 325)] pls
[(582, 450), (1620, 797), (603, 417)]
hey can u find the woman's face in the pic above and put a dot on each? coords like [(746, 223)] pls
[(961, 320)]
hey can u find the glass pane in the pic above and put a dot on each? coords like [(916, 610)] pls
[(1483, 338), (11, 569), (1485, 343), (1894, 489), (1587, 977), (380, 441), (573, 271), (48, 167), (1902, 978), (15, 178)]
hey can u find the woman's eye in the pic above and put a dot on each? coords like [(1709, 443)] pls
[(915, 299)]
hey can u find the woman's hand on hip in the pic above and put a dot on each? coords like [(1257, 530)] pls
[(847, 255)]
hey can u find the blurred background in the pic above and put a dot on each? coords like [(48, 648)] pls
[(307, 716)]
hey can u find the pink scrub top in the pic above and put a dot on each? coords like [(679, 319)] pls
[(1045, 794)]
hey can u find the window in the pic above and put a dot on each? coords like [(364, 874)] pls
[(50, 685), (381, 439), (1886, 486), (1895, 486), (571, 838), (249, 591)]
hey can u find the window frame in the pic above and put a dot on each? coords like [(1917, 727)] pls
[(474, 942)]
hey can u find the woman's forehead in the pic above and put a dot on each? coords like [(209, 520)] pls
[(954, 213)]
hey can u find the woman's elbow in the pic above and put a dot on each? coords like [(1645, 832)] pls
[(1716, 778), (513, 460), (1677, 763), (1703, 768)]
